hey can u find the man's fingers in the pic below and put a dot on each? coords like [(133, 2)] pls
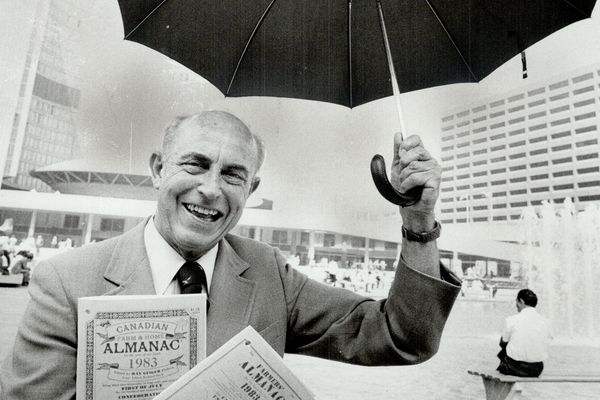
[(418, 153), (425, 177), (411, 142), (397, 143), (414, 167), (417, 167), (402, 146)]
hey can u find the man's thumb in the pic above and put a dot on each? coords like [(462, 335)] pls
[(397, 143)]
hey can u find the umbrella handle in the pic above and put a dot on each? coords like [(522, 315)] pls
[(386, 189)]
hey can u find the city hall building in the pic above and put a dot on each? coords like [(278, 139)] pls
[(521, 148)]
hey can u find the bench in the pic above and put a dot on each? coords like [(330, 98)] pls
[(11, 279), (502, 387), (508, 284)]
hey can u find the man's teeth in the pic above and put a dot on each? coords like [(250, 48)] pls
[(203, 211)]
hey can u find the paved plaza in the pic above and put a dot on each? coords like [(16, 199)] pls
[(469, 342)]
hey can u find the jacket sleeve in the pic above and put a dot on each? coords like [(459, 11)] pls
[(43, 361), (340, 325)]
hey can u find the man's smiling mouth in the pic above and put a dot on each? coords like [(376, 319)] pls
[(206, 214)]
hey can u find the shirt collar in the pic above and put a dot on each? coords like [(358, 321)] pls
[(165, 261), (528, 310)]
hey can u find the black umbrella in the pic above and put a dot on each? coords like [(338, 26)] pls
[(333, 50)]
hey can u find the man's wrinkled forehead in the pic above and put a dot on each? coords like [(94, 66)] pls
[(227, 127), (216, 121), (219, 120)]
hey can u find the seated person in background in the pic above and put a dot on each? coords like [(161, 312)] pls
[(525, 339), (4, 262), (20, 265)]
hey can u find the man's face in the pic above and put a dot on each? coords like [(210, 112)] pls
[(203, 184)]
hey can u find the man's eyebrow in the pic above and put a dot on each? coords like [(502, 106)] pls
[(196, 155), (236, 167), (202, 157)]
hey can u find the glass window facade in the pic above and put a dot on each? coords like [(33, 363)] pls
[(541, 144)]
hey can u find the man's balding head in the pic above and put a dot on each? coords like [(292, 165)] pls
[(214, 118)]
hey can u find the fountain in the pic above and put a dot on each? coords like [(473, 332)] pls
[(561, 258)]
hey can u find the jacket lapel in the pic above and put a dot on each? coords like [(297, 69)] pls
[(128, 271), (231, 298)]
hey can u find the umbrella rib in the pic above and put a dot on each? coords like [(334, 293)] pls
[(451, 40), (252, 35), (145, 18), (567, 2), (350, 51)]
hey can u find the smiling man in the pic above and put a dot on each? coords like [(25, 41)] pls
[(204, 174)]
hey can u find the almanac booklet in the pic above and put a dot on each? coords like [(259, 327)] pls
[(133, 347), (244, 368)]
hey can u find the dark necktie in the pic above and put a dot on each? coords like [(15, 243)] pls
[(191, 278)]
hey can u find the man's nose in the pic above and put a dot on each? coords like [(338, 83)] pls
[(209, 185)]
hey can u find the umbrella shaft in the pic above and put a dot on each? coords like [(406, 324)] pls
[(395, 88)]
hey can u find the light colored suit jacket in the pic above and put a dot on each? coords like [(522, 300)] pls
[(252, 285)]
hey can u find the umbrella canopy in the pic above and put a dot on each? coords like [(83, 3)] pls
[(332, 50), (345, 51)]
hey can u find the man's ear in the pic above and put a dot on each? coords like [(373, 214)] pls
[(156, 166), (254, 185)]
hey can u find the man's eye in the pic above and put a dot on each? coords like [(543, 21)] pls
[(234, 178), (192, 167)]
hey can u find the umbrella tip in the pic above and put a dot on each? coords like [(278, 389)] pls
[(524, 64)]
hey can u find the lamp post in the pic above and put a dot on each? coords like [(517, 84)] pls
[(488, 195), (467, 198)]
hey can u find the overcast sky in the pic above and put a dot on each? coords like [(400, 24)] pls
[(317, 151)]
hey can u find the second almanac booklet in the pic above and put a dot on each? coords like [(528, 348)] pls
[(133, 347)]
